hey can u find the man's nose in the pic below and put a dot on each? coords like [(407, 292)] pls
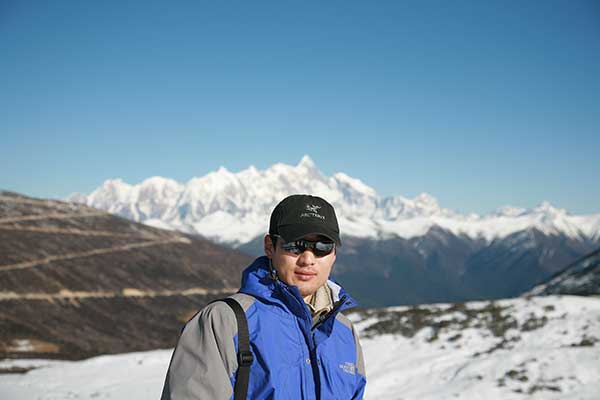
[(306, 258)]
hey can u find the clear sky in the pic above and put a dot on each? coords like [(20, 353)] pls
[(478, 103)]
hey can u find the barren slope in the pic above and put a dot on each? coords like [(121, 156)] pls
[(77, 282)]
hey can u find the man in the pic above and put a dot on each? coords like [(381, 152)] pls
[(302, 346)]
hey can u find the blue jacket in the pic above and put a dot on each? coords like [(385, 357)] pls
[(292, 358)]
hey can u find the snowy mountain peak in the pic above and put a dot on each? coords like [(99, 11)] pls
[(508, 211), (115, 185), (160, 184), (426, 201), (223, 171), (112, 191), (306, 162), (235, 207), (354, 184), (548, 209)]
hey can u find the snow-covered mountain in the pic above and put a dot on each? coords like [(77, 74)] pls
[(416, 251), (234, 208), (527, 348)]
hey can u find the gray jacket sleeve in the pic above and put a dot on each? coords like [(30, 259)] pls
[(205, 357), (360, 365), (360, 360)]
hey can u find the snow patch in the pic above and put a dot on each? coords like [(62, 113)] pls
[(549, 350)]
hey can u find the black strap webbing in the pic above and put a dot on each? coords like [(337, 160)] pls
[(244, 356)]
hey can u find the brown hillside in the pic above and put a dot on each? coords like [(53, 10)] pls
[(77, 282)]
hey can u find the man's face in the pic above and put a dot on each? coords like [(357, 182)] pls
[(305, 270)]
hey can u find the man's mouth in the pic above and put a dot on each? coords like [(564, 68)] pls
[(305, 275)]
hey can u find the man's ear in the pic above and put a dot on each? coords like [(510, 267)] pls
[(268, 246)]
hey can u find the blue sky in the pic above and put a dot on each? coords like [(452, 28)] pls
[(479, 103)]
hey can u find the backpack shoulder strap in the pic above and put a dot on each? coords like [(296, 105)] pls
[(244, 355)]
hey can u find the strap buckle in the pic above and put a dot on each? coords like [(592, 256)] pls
[(245, 358)]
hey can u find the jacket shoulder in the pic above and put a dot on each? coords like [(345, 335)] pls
[(217, 307), (245, 300), (344, 320), (219, 315), (205, 357), (360, 361)]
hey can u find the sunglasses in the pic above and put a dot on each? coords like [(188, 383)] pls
[(320, 248)]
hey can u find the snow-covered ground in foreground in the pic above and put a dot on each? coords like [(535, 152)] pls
[(537, 348), (132, 376), (542, 348)]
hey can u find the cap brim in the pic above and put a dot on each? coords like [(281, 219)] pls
[(296, 232)]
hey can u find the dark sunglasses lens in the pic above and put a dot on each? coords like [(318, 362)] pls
[(319, 248), (323, 248), (293, 248)]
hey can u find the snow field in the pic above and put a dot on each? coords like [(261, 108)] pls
[(542, 348)]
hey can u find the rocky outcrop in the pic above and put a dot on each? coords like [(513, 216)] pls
[(581, 278)]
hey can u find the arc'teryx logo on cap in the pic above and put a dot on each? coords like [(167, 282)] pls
[(313, 212), (313, 208)]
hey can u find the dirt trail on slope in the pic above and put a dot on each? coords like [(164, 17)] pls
[(80, 232), (127, 292), (56, 215), (54, 203), (70, 256)]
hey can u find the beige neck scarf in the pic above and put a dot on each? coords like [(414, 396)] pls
[(319, 302)]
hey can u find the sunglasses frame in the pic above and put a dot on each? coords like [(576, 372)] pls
[(298, 247)]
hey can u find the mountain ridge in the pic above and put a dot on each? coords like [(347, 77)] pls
[(582, 278), (234, 208)]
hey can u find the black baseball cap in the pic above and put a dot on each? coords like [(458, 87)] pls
[(299, 215)]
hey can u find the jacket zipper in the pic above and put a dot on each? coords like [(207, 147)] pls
[(312, 351), (324, 317)]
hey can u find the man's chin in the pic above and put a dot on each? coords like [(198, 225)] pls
[(306, 290)]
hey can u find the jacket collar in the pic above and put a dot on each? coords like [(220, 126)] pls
[(257, 281)]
